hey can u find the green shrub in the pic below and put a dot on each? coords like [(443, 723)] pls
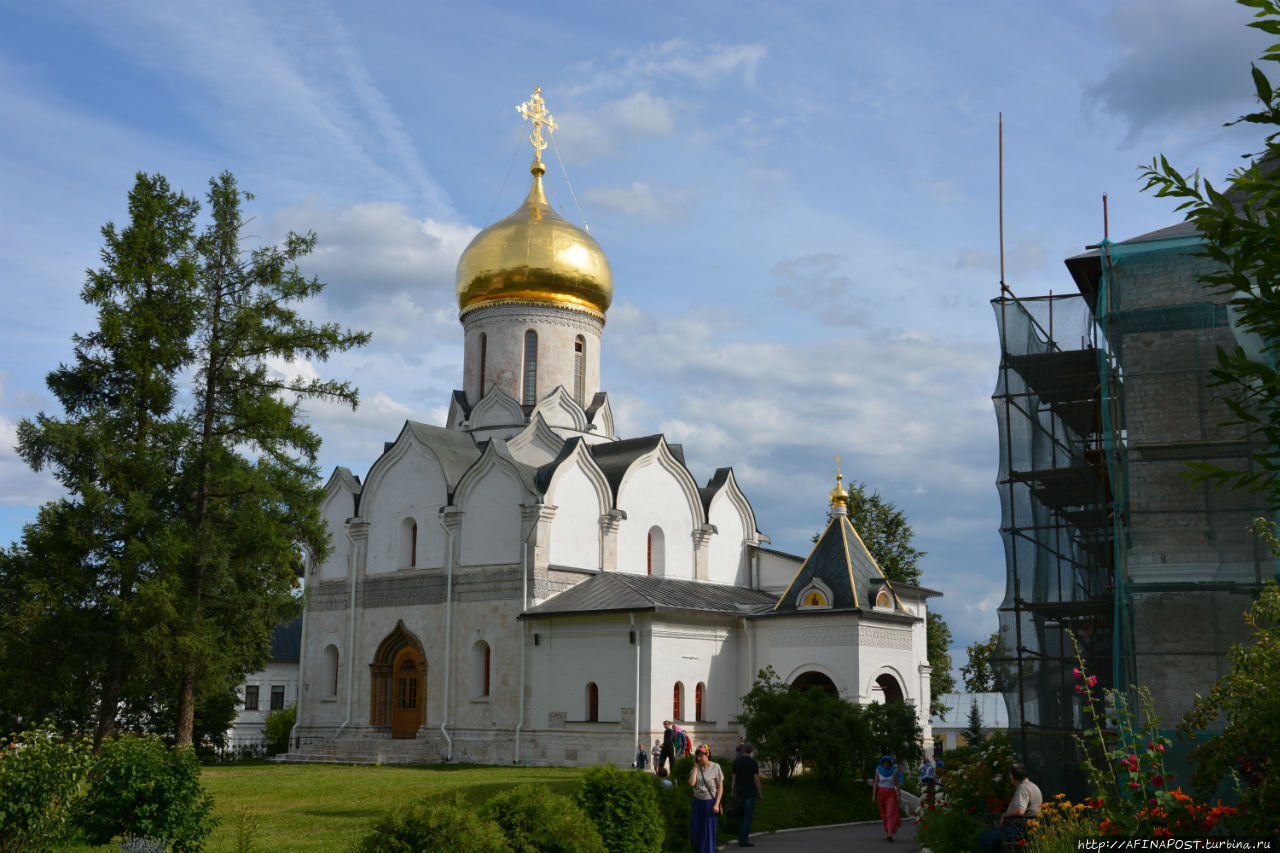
[(624, 807), (434, 824), (139, 787), (949, 832), (277, 728), (536, 820), (674, 805), (40, 774)]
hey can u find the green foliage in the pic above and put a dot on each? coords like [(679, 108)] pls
[(946, 831), (982, 674), (534, 820), (1240, 236), (938, 647), (190, 476), (140, 787), (624, 808), (895, 731), (40, 775), (976, 780), (1246, 701), (434, 824), (825, 734), (279, 724)]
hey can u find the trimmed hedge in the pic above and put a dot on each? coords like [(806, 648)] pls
[(624, 808), (535, 820)]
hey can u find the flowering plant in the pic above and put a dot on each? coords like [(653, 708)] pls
[(1126, 767)]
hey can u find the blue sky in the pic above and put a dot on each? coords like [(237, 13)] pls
[(799, 202)]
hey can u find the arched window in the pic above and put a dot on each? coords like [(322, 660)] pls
[(529, 396), (484, 346), (330, 679), (579, 369), (699, 696), (593, 702), (480, 670), (677, 702), (409, 543), (656, 556)]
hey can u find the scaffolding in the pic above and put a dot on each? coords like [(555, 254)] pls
[(1102, 399)]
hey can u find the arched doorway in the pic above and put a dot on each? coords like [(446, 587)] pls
[(812, 678), (889, 689), (398, 684), (406, 715)]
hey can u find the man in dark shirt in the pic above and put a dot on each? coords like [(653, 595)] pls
[(668, 746), (746, 790)]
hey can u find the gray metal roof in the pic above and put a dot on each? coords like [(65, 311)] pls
[(286, 641), (620, 592)]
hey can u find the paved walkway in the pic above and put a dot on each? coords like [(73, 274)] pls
[(847, 838)]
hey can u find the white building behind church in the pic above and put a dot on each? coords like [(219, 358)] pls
[(524, 585)]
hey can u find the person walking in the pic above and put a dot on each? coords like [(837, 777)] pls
[(745, 790), (668, 746), (885, 796), (707, 781)]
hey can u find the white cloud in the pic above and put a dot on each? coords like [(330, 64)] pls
[(813, 284), (270, 88), (676, 59), (373, 251), (1182, 66)]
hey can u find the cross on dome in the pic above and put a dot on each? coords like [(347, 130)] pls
[(535, 110)]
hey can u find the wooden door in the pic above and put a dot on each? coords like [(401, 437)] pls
[(407, 697)]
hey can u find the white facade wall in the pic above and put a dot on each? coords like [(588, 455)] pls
[(491, 523), (407, 483), (337, 507), (575, 530), (651, 496), (727, 555)]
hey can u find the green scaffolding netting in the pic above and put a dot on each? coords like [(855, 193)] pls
[(1102, 399)]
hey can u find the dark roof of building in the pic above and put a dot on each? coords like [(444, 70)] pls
[(286, 641), (615, 457), (456, 450), (620, 592), (842, 563)]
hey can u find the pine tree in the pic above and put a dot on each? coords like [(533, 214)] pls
[(89, 556), (177, 548), (973, 732)]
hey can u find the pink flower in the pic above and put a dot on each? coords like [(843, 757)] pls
[(1157, 781), (1133, 784), (1076, 672), (1093, 679), (1079, 689)]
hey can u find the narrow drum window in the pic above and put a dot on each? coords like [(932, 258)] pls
[(579, 369), (677, 702), (699, 694), (529, 395), (413, 545), (593, 702), (484, 346)]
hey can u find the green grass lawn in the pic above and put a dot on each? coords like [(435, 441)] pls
[(323, 808)]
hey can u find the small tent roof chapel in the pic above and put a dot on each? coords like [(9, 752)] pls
[(524, 585)]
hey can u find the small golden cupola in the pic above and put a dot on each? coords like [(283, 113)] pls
[(534, 255)]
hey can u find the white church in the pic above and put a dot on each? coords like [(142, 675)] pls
[(523, 585)]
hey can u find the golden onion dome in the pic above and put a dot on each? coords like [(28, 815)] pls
[(534, 255), (839, 495)]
